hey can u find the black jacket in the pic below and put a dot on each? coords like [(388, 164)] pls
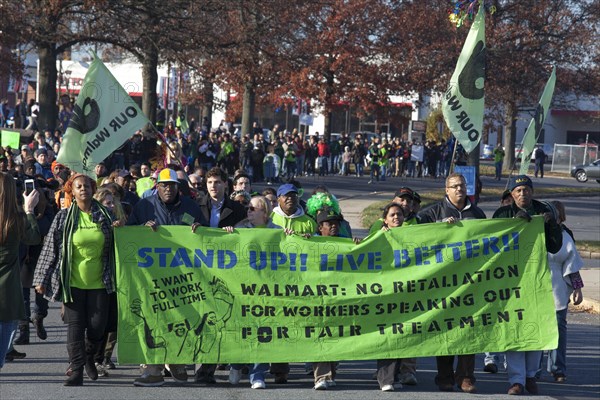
[(153, 209), (552, 229), (232, 212), (439, 212)]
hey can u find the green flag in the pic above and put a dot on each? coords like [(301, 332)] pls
[(258, 295), (537, 122), (462, 104), (104, 117)]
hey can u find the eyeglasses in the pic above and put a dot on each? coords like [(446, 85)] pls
[(457, 186), (252, 208), (167, 185)]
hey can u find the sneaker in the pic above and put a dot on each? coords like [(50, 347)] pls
[(467, 386), (102, 372), (178, 373), (235, 375), (330, 383), (516, 389), (490, 368), (388, 388), (204, 379), (560, 378), (321, 385), (108, 364), (408, 378), (531, 386), (258, 384), (368, 183), (147, 380)]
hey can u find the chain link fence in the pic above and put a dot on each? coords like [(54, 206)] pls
[(566, 156)]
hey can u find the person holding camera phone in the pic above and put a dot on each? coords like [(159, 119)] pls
[(16, 226)]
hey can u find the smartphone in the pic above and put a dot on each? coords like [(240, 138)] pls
[(29, 186)]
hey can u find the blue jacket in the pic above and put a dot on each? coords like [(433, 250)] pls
[(153, 209)]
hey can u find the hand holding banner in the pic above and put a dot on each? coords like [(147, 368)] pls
[(258, 295)]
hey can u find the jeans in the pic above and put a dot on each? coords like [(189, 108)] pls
[(411, 169), (7, 329), (383, 169), (498, 166), (300, 164), (539, 168), (557, 359), (257, 371), (335, 163), (375, 171), (521, 365), (323, 165), (40, 307), (358, 167), (290, 168)]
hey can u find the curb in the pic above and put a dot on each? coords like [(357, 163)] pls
[(590, 306), (589, 254)]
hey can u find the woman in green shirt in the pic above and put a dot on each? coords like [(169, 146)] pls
[(77, 266)]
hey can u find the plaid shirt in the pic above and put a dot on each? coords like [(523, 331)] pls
[(47, 272)]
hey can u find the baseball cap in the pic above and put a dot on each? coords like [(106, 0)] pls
[(519, 180), (328, 215), (417, 197), (167, 175), (285, 189), (123, 173), (24, 147), (404, 191)]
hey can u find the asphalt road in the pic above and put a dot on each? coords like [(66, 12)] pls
[(40, 376)]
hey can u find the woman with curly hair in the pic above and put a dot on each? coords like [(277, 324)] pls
[(76, 266)]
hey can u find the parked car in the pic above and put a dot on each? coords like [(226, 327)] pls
[(583, 172), (487, 152), (364, 134)]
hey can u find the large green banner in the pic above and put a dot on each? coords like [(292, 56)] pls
[(257, 295)]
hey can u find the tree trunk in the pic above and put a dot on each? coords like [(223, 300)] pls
[(328, 120), (248, 111), (510, 134), (473, 159), (47, 97), (150, 79), (207, 105)]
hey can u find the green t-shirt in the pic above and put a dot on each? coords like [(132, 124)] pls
[(498, 155), (300, 225), (88, 244)]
